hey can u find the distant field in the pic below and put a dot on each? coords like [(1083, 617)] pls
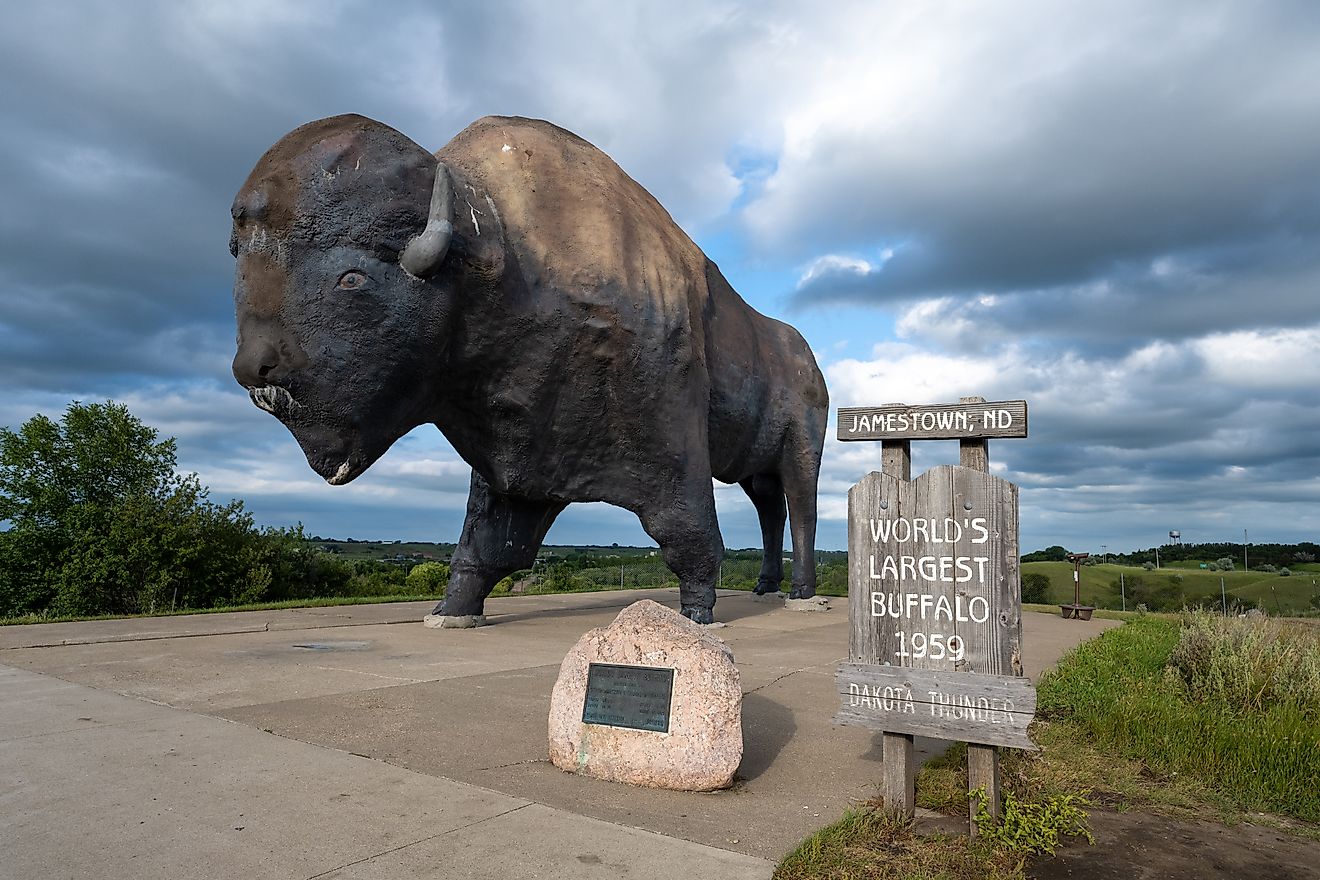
[(1272, 592), (597, 566), (389, 549)]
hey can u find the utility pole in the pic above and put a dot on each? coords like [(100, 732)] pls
[(1104, 553), (1244, 551), (1157, 558)]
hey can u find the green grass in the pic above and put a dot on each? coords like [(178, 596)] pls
[(323, 602), (1197, 717), (1260, 750)]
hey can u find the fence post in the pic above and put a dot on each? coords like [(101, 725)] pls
[(982, 761)]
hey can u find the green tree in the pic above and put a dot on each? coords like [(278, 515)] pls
[(1049, 554), (99, 522)]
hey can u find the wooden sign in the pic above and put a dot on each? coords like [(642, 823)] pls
[(933, 572), (638, 697), (993, 710), (933, 603), (945, 421)]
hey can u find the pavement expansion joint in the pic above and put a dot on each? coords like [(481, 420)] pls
[(429, 837)]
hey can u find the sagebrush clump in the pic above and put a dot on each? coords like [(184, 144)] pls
[(1248, 664)]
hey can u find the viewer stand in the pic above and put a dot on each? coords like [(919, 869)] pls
[(1077, 611)]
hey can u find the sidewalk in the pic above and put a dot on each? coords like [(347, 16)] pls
[(353, 742)]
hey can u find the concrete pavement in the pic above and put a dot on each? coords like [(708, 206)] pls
[(352, 742)]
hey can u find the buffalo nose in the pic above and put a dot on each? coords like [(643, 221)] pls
[(254, 362)]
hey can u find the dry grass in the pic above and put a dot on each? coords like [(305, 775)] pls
[(870, 844)]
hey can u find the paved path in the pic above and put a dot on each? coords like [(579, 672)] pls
[(353, 743)]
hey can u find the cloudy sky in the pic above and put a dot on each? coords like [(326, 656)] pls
[(1111, 210)]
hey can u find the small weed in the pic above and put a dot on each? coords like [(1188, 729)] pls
[(1039, 828)]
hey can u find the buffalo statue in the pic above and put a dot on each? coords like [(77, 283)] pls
[(518, 290)]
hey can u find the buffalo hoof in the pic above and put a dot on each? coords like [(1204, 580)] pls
[(454, 621), (764, 587), (801, 593), (698, 615)]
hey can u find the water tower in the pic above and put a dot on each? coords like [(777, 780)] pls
[(1175, 537)]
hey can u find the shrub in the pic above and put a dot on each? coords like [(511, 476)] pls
[(1247, 665), (429, 578), (1035, 587)]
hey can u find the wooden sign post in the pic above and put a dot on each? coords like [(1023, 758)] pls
[(935, 645)]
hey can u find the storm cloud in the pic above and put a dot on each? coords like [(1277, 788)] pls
[(1112, 211)]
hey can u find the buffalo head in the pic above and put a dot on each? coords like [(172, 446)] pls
[(342, 291)]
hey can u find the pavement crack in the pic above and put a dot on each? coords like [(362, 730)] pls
[(780, 678), (514, 764)]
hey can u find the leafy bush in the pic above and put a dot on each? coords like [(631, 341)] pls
[(429, 578), (1035, 587), (1154, 594)]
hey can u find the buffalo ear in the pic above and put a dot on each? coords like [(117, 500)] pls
[(425, 254)]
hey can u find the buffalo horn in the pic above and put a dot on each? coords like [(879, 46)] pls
[(424, 254)]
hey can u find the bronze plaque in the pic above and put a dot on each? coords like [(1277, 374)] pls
[(628, 696)]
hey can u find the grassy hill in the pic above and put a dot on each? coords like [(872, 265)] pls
[(1181, 585)]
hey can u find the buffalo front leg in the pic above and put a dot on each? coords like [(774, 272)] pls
[(684, 525), (501, 534), (767, 494)]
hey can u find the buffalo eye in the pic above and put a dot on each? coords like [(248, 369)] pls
[(352, 280)]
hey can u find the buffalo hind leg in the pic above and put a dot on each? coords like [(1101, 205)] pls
[(800, 475), (688, 533), (501, 534), (767, 494)]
